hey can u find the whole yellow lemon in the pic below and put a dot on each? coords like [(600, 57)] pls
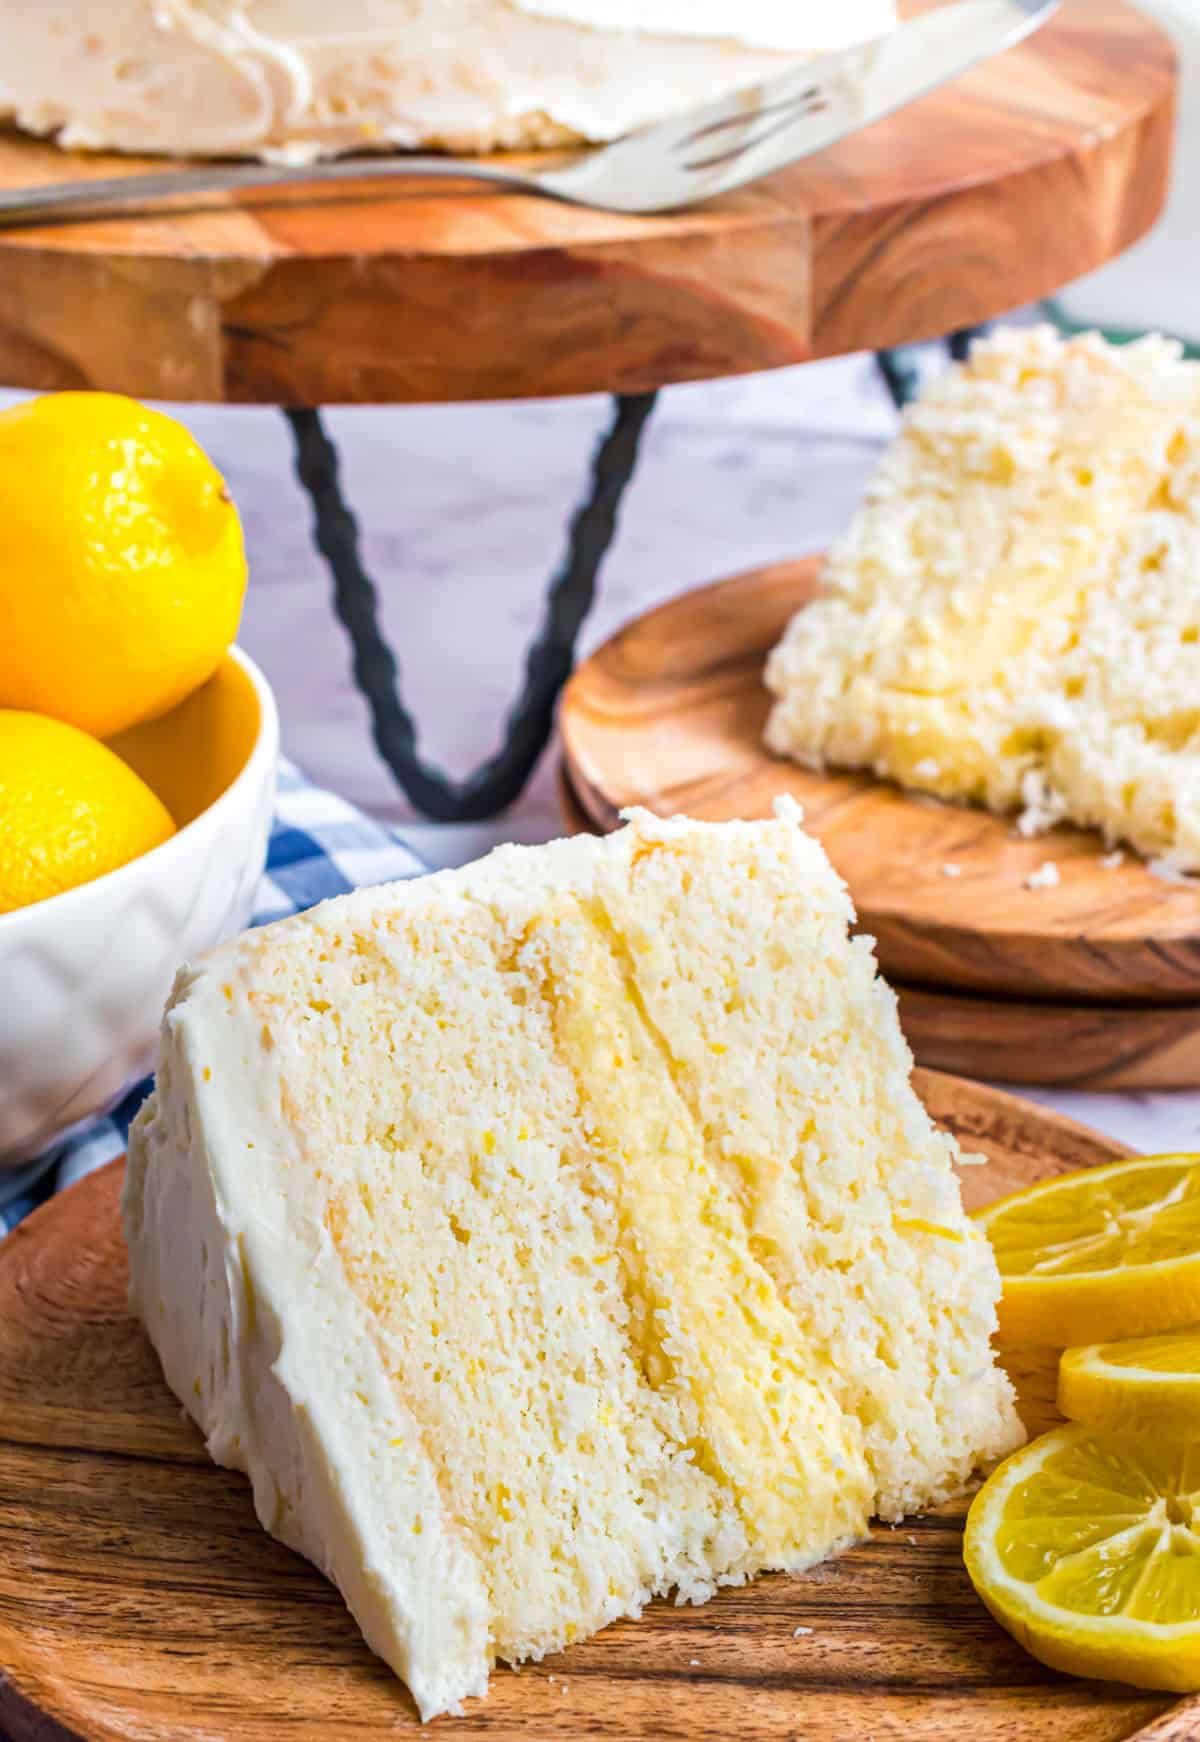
[(122, 570), (70, 809)]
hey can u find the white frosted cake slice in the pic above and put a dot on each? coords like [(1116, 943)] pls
[(555, 1233), (1014, 617), (301, 78)]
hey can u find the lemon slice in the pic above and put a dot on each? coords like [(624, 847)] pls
[(1086, 1547), (1106, 1253), (1141, 1383)]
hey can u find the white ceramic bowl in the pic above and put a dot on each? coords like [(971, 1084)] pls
[(84, 975)]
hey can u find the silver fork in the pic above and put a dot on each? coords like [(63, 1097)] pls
[(671, 164)]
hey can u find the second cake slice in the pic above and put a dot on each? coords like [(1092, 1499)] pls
[(1014, 617)]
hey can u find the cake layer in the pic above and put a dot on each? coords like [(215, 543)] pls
[(1014, 617), (300, 78), (560, 1232)]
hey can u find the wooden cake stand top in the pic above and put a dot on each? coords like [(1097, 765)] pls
[(994, 191)]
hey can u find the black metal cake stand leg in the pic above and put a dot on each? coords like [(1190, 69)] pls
[(902, 380), (499, 780)]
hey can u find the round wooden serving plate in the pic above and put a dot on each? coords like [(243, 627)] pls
[(990, 193), (1014, 1040), (670, 714), (139, 1599)]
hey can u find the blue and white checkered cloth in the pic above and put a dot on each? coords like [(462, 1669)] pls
[(320, 846)]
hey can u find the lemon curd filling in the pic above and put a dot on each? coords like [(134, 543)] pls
[(768, 1422), (567, 1233)]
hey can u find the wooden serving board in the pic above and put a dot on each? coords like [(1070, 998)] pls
[(141, 1602), (1013, 1040), (670, 714), (983, 196), (1113, 1047)]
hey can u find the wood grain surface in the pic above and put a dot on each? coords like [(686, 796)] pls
[(139, 1598), (1014, 1040), (669, 714), (981, 197), (1114, 1047)]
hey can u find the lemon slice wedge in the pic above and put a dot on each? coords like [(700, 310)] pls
[(1142, 1383), (1086, 1547), (1106, 1253)]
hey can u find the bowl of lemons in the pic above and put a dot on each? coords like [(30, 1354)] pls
[(138, 746)]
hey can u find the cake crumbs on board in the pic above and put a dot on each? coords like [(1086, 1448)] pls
[(1045, 877)]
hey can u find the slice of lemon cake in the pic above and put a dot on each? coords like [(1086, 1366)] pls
[(1014, 617), (558, 1232)]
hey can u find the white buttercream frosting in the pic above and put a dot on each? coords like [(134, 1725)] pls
[(779, 24), (263, 1339), (280, 77)]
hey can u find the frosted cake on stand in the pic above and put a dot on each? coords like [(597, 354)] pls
[(299, 79)]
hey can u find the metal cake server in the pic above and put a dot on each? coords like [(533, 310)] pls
[(668, 165)]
